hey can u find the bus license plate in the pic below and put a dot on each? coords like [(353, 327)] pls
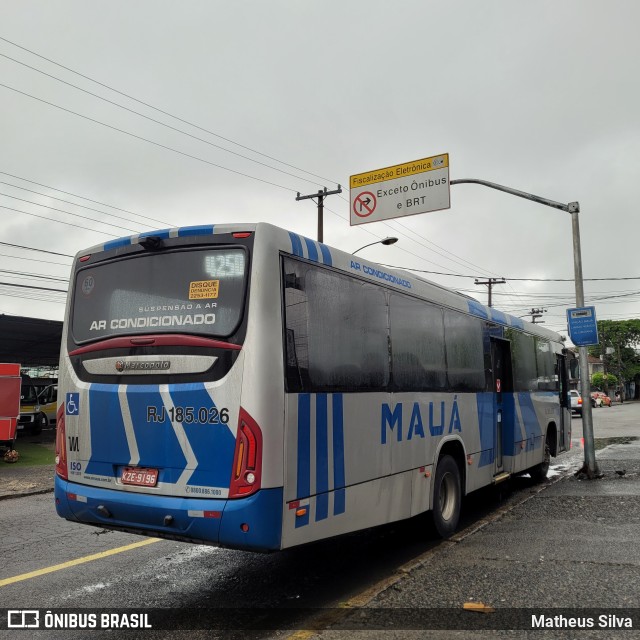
[(139, 477)]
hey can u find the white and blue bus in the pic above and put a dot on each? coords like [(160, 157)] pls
[(244, 386)]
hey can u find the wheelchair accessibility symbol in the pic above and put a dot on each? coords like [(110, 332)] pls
[(73, 404)]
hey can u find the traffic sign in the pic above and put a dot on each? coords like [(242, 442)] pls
[(583, 327), (364, 204), (401, 190)]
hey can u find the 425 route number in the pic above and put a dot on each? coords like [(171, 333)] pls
[(188, 415)]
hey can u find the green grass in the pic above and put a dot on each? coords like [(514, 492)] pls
[(32, 455)]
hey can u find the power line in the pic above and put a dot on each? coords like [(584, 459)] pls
[(448, 257), (146, 104), (468, 263), (395, 230), (164, 124), (19, 246), (24, 274), (207, 142), (26, 286), (75, 195), (460, 275), (33, 295), (77, 215), (69, 224), (184, 133), (8, 255), (405, 250), (596, 299), (137, 137), (75, 204)]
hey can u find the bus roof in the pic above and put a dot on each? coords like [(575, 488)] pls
[(307, 248)]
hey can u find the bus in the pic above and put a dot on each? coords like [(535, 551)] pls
[(247, 387)]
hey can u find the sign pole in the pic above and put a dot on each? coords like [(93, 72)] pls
[(590, 467), (590, 464)]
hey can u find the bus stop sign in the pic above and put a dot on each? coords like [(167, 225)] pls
[(583, 328)]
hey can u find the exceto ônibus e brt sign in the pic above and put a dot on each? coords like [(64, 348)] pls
[(401, 190)]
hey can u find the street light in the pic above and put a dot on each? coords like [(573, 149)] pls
[(386, 241), (590, 465)]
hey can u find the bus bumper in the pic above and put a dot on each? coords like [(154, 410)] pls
[(253, 523)]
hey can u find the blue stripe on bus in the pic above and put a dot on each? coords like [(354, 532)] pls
[(486, 424), (212, 443), (326, 254), (157, 442), (511, 430), (311, 249), (338, 455), (516, 322), (296, 244), (530, 419), (498, 316), (162, 233), (106, 427), (322, 458), (477, 309), (303, 488), (114, 244), (198, 230)]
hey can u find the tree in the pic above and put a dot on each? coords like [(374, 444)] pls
[(622, 339), (603, 381)]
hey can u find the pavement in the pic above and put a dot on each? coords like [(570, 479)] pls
[(567, 545), (17, 481), (571, 548)]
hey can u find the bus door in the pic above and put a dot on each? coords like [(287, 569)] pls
[(564, 436), (503, 388)]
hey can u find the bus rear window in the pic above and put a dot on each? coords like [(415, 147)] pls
[(196, 292)]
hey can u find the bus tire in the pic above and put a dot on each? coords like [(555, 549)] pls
[(540, 471), (447, 497)]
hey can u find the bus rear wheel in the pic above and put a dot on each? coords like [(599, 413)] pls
[(540, 471), (447, 497)]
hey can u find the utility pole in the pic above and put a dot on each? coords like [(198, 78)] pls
[(620, 377), (321, 195), (490, 282), (535, 314), (573, 209)]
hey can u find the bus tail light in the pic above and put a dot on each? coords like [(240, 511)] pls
[(247, 461), (61, 447)]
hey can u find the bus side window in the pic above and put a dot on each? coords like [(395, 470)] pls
[(417, 344), (336, 334), (464, 348), (525, 375), (546, 365)]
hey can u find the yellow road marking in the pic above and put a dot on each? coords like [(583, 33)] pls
[(77, 561)]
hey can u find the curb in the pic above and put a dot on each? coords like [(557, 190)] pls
[(25, 494)]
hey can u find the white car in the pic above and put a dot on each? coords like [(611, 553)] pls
[(576, 401)]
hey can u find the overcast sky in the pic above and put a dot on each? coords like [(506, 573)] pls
[(540, 96)]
